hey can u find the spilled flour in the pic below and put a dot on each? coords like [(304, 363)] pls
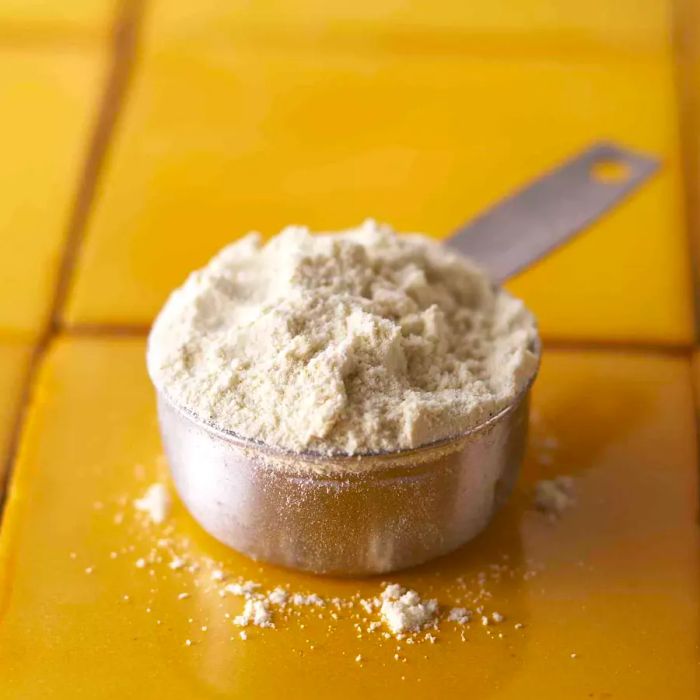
[(355, 342), (555, 496), (405, 611), (155, 503), (209, 601)]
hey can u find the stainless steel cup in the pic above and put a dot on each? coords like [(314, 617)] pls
[(377, 513), (347, 515)]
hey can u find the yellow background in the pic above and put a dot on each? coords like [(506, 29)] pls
[(139, 137)]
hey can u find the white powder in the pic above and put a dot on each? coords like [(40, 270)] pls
[(310, 599), (404, 611), (459, 615), (366, 605), (155, 503), (278, 596), (355, 342), (255, 612), (554, 496), (244, 589)]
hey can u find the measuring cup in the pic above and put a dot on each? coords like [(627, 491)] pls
[(375, 513)]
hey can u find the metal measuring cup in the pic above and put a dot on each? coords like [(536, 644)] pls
[(370, 514)]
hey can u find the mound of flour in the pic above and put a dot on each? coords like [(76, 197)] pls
[(352, 342)]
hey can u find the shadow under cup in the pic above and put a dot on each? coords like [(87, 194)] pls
[(345, 515)]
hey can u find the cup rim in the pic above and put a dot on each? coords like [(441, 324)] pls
[(341, 458)]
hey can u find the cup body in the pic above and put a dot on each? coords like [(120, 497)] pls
[(347, 515)]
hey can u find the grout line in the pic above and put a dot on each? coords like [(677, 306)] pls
[(695, 392), (621, 346), (98, 330), (686, 34), (123, 51), (124, 44), (685, 57)]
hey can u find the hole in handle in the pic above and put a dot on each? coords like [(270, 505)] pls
[(610, 171)]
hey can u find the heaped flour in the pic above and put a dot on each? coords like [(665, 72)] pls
[(354, 342)]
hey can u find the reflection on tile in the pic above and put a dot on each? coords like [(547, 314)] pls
[(217, 142), (614, 582), (49, 105)]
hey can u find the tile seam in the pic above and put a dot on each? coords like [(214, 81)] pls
[(124, 35), (684, 34), (686, 57)]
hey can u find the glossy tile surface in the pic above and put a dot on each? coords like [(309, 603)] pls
[(14, 363), (49, 104), (540, 26), (615, 580), (217, 142)]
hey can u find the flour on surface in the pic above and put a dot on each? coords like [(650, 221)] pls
[(214, 600), (155, 503), (459, 615), (554, 496), (244, 588), (405, 611), (357, 342), (255, 612)]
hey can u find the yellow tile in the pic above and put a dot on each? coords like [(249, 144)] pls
[(215, 143), (531, 25), (616, 582), (49, 105), (14, 362), (67, 18)]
